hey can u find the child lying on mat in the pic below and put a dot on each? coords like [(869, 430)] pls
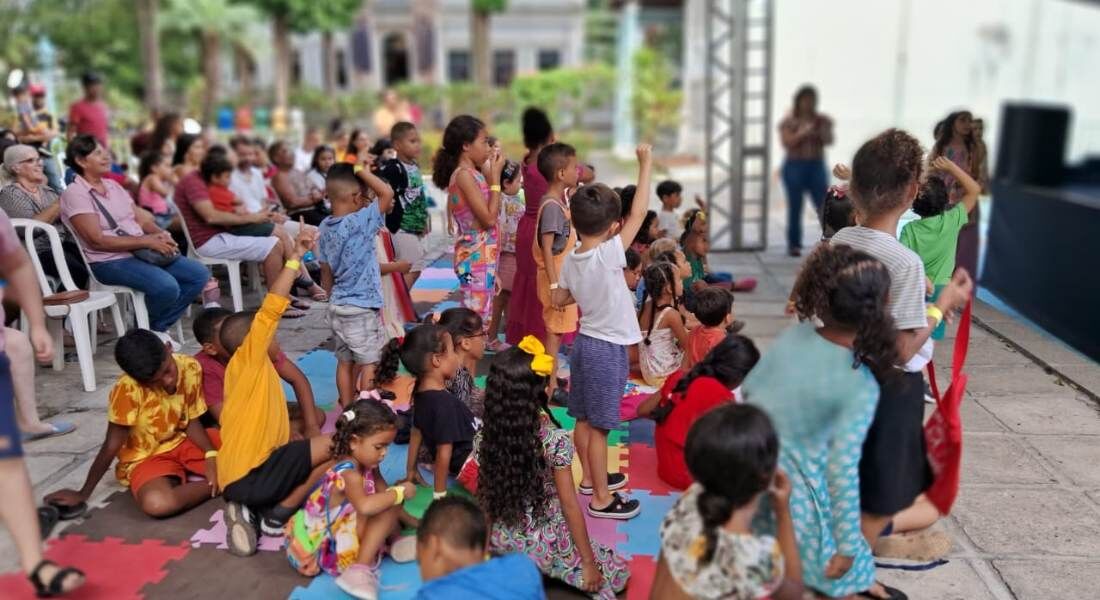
[(154, 430), (305, 418)]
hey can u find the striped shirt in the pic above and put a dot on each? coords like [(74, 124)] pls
[(906, 272)]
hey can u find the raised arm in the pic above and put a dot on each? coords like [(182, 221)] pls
[(485, 213), (971, 189), (640, 205), (380, 189)]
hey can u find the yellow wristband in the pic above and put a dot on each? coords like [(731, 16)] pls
[(494, 188), (211, 454), (293, 264), (400, 491), (438, 495), (935, 312)]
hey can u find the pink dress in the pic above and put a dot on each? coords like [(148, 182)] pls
[(966, 252), (524, 309), (475, 250)]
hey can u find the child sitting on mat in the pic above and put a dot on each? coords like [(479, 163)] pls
[(661, 351), (714, 311), (468, 336)]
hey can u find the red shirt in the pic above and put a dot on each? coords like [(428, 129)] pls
[(703, 394), (702, 339), (189, 190), (90, 117), (221, 197), (213, 377)]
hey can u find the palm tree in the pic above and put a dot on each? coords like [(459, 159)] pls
[(149, 35), (480, 11)]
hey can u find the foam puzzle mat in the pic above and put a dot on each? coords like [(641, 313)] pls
[(184, 556)]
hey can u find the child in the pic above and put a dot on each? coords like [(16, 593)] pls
[(836, 211), (661, 351), (441, 422), (936, 234), (323, 159), (305, 418), (818, 385), (468, 337), (216, 170), (556, 238), (450, 550), (650, 232), (632, 272), (343, 525), (885, 179), (670, 193), (525, 478), (155, 174), (592, 278), (352, 277), (714, 311), (707, 548), (153, 428), (512, 206), (264, 473), (684, 398), (408, 219), (696, 247)]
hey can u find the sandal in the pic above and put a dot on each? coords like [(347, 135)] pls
[(55, 586), (293, 313), (619, 508), (299, 303), (891, 593), (68, 513), (56, 428), (48, 517)]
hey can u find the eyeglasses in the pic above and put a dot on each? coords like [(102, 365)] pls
[(34, 160)]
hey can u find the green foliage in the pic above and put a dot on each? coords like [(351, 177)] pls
[(310, 15), (489, 6), (565, 93), (656, 103)]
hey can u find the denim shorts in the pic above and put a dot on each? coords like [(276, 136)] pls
[(359, 333)]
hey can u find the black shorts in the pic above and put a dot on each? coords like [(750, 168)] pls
[(253, 229), (894, 469), (269, 483), (11, 439)]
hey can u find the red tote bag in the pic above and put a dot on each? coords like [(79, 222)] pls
[(943, 431)]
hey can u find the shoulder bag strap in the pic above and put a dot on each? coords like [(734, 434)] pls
[(111, 223)]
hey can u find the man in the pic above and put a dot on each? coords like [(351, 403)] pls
[(48, 133), (89, 114), (247, 181), (303, 155)]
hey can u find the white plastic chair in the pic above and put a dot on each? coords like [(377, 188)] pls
[(233, 267), (78, 313)]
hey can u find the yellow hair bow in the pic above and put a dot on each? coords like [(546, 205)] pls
[(541, 362)]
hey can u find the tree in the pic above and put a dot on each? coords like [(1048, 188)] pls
[(149, 35), (480, 12)]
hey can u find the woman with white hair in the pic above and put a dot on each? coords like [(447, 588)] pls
[(27, 196)]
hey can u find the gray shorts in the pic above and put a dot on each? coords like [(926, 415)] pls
[(359, 333), (409, 247)]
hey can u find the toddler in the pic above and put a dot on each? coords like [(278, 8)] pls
[(155, 174), (468, 337), (670, 193), (650, 232), (512, 206), (714, 311), (661, 351)]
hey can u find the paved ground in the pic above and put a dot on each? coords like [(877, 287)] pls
[(1027, 522)]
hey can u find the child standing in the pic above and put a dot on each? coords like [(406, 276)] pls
[(714, 311), (346, 520), (661, 352), (670, 193), (708, 548), (350, 273), (468, 337), (525, 480), (592, 278), (408, 220), (512, 206), (556, 238)]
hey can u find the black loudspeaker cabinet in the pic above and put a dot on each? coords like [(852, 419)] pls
[(1033, 144)]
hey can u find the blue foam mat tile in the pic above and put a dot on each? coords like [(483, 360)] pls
[(320, 369), (444, 285), (399, 582), (641, 532), (642, 431)]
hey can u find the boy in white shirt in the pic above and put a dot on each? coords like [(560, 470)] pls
[(670, 193)]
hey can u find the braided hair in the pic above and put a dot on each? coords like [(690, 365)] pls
[(363, 418), (659, 277), (728, 362)]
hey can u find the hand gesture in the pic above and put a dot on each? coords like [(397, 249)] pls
[(403, 266), (780, 488), (838, 565), (942, 163), (702, 204), (307, 237), (842, 172), (496, 165), (957, 292), (212, 476), (65, 497), (591, 578), (645, 155), (42, 343)]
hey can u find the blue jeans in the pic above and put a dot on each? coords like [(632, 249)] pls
[(800, 177), (168, 290)]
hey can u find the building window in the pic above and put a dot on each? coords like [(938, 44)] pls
[(295, 68), (549, 59), (458, 65), (341, 69), (504, 67)]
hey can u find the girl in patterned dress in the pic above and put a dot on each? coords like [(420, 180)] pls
[(474, 203), (818, 385), (343, 525), (525, 478), (708, 548)]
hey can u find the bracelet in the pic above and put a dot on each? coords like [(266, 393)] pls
[(438, 495), (495, 188), (293, 264), (935, 312), (210, 454), (400, 491)]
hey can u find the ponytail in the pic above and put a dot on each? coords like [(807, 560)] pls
[(728, 362), (875, 342), (388, 363), (462, 130), (715, 510)]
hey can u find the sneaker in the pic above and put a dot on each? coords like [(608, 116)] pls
[(359, 581), (272, 527), (615, 481), (928, 397), (404, 549), (620, 508), (241, 533), (745, 284)]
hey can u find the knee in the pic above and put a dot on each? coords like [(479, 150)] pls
[(157, 504), (163, 290)]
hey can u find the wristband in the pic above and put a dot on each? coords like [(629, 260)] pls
[(293, 264), (210, 454), (438, 495), (935, 312), (400, 491), (495, 188), (553, 286)]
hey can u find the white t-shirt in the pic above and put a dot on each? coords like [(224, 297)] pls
[(302, 159), (250, 187), (670, 223), (595, 279)]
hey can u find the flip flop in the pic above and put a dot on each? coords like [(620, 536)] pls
[(48, 516), (58, 428), (68, 513), (299, 303), (891, 593), (293, 313)]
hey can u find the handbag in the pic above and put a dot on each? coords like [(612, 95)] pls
[(143, 254), (943, 431), (67, 297)]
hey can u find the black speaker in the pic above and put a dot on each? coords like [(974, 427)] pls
[(1032, 147)]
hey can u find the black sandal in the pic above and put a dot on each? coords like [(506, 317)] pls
[(891, 593), (48, 516), (620, 509), (56, 583), (68, 513)]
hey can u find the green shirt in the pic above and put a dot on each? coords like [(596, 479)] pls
[(698, 272), (934, 240)]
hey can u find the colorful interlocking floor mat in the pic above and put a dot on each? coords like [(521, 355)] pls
[(126, 554)]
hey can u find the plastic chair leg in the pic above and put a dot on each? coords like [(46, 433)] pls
[(83, 340), (57, 329), (141, 314), (116, 314), (235, 287)]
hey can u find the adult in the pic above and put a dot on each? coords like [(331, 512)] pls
[(292, 187), (804, 133), (392, 111), (358, 147), (102, 215), (167, 129), (525, 309), (20, 353), (37, 131), (303, 155), (89, 115), (247, 181), (17, 510), (955, 140), (28, 197), (190, 150)]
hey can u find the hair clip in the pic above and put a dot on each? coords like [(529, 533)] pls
[(370, 395), (839, 191), (541, 362), (349, 415)]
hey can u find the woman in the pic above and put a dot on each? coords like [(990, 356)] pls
[(167, 130), (90, 205), (358, 146), (955, 139), (17, 346), (298, 197), (190, 150), (525, 313), (28, 197), (804, 134)]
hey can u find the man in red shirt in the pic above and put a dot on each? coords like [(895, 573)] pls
[(89, 114)]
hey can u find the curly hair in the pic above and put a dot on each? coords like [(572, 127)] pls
[(389, 362), (728, 362), (462, 130), (850, 289), (361, 419), (837, 211), (945, 132), (513, 470), (932, 198), (882, 169)]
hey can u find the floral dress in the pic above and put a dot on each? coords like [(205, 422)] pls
[(323, 537), (548, 541), (744, 566), (475, 250), (465, 389)]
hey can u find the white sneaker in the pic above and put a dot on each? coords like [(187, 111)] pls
[(167, 339)]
